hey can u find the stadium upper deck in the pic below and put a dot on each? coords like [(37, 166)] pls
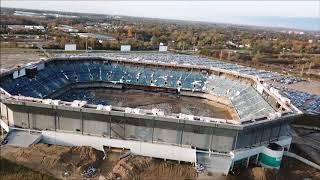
[(114, 68), (183, 59)]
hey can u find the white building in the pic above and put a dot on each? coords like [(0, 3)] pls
[(125, 48), (70, 47)]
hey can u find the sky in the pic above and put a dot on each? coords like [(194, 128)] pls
[(236, 12)]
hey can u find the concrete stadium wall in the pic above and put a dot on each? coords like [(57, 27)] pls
[(86, 121), (262, 134), (3, 110), (285, 141), (119, 125), (141, 148)]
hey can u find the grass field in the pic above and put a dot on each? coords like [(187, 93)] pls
[(13, 171)]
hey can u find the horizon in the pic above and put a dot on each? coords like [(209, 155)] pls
[(299, 15)]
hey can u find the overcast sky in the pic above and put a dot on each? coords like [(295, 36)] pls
[(212, 11)]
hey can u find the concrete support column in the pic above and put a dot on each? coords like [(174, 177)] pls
[(279, 131), (2, 132), (247, 163), (110, 128), (29, 120), (58, 121), (211, 140), (82, 123), (55, 120), (152, 131), (232, 164), (8, 115), (236, 141), (181, 135), (289, 147), (271, 130), (124, 129), (257, 159), (261, 136)]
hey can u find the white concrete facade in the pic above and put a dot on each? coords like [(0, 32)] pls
[(162, 151)]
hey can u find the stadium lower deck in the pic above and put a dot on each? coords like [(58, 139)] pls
[(52, 97)]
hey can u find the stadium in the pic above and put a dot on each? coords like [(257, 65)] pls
[(212, 113)]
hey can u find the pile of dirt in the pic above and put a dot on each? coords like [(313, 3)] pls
[(63, 158), (130, 167), (260, 173), (167, 170), (80, 158), (69, 162), (40, 155), (290, 169), (294, 169)]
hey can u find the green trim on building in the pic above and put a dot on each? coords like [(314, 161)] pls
[(269, 161)]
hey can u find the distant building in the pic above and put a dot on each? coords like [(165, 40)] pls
[(230, 43), (296, 32), (70, 47), (66, 28), (163, 48), (25, 27), (34, 27), (29, 14), (99, 37), (125, 48)]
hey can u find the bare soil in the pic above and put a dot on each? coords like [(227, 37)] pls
[(291, 169), (168, 170), (12, 171), (54, 160), (312, 86), (167, 102), (11, 57), (57, 160)]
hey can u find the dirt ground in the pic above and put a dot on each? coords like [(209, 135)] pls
[(11, 57), (12, 171), (68, 162), (169, 103), (291, 169), (54, 160), (312, 86)]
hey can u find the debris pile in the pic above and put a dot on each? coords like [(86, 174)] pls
[(200, 168), (81, 158), (66, 159), (89, 173), (130, 167), (160, 169)]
